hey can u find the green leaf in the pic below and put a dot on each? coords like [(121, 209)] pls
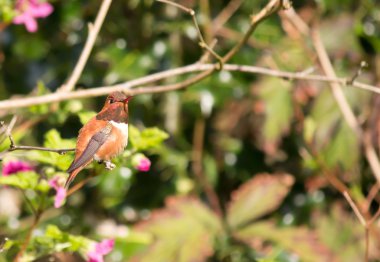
[(276, 95), (25, 180), (147, 139), (54, 140), (55, 240), (84, 117), (257, 197), (185, 230), (43, 108), (342, 231), (299, 240), (330, 135), (342, 142)]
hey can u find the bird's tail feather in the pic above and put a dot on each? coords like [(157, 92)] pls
[(71, 177)]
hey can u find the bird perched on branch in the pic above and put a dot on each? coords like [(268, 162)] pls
[(103, 137)]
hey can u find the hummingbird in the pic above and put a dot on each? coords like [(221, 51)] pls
[(103, 137)]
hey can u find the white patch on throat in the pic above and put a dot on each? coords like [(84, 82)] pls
[(123, 128)]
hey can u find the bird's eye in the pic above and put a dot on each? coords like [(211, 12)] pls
[(111, 100)]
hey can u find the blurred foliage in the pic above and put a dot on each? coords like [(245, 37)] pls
[(266, 142)]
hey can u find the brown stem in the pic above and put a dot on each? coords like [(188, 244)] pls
[(270, 8), (78, 186), (13, 147), (127, 86), (366, 252), (198, 142), (93, 31), (226, 13), (36, 220)]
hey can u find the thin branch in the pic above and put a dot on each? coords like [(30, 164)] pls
[(355, 208), (127, 86), (363, 65), (225, 14), (78, 185), (371, 196), (93, 31), (229, 33), (376, 216), (269, 9), (337, 91), (28, 202), (36, 220), (206, 56), (335, 88), (197, 166), (366, 252), (13, 147), (202, 42), (7, 129)]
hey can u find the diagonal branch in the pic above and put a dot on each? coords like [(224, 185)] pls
[(127, 86), (337, 91), (93, 31), (14, 147), (335, 87), (202, 42)]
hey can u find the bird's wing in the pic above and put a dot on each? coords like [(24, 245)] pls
[(92, 147)]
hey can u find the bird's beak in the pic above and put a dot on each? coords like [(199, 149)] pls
[(127, 99)]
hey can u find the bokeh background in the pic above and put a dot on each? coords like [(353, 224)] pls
[(263, 147)]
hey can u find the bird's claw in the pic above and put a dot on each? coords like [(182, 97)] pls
[(109, 165)]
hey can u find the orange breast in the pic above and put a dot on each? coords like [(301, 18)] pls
[(113, 146)]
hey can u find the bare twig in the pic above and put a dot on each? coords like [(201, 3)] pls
[(376, 216), (197, 166), (363, 64), (36, 220), (127, 86), (202, 42), (225, 14), (335, 87), (371, 196), (28, 202), (206, 56), (13, 147), (355, 208), (337, 91), (269, 9), (341, 100), (7, 129), (229, 33), (78, 185), (93, 31)]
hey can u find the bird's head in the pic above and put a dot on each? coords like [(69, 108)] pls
[(115, 108)]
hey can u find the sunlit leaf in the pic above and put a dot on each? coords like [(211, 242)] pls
[(331, 135), (54, 140), (146, 139), (276, 95), (25, 180), (43, 108), (182, 231), (340, 231), (257, 197), (55, 240), (84, 117), (303, 242)]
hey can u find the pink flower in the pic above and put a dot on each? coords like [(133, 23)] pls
[(29, 10), (60, 191), (141, 162), (100, 249), (13, 167)]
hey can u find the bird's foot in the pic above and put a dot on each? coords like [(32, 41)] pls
[(109, 165)]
